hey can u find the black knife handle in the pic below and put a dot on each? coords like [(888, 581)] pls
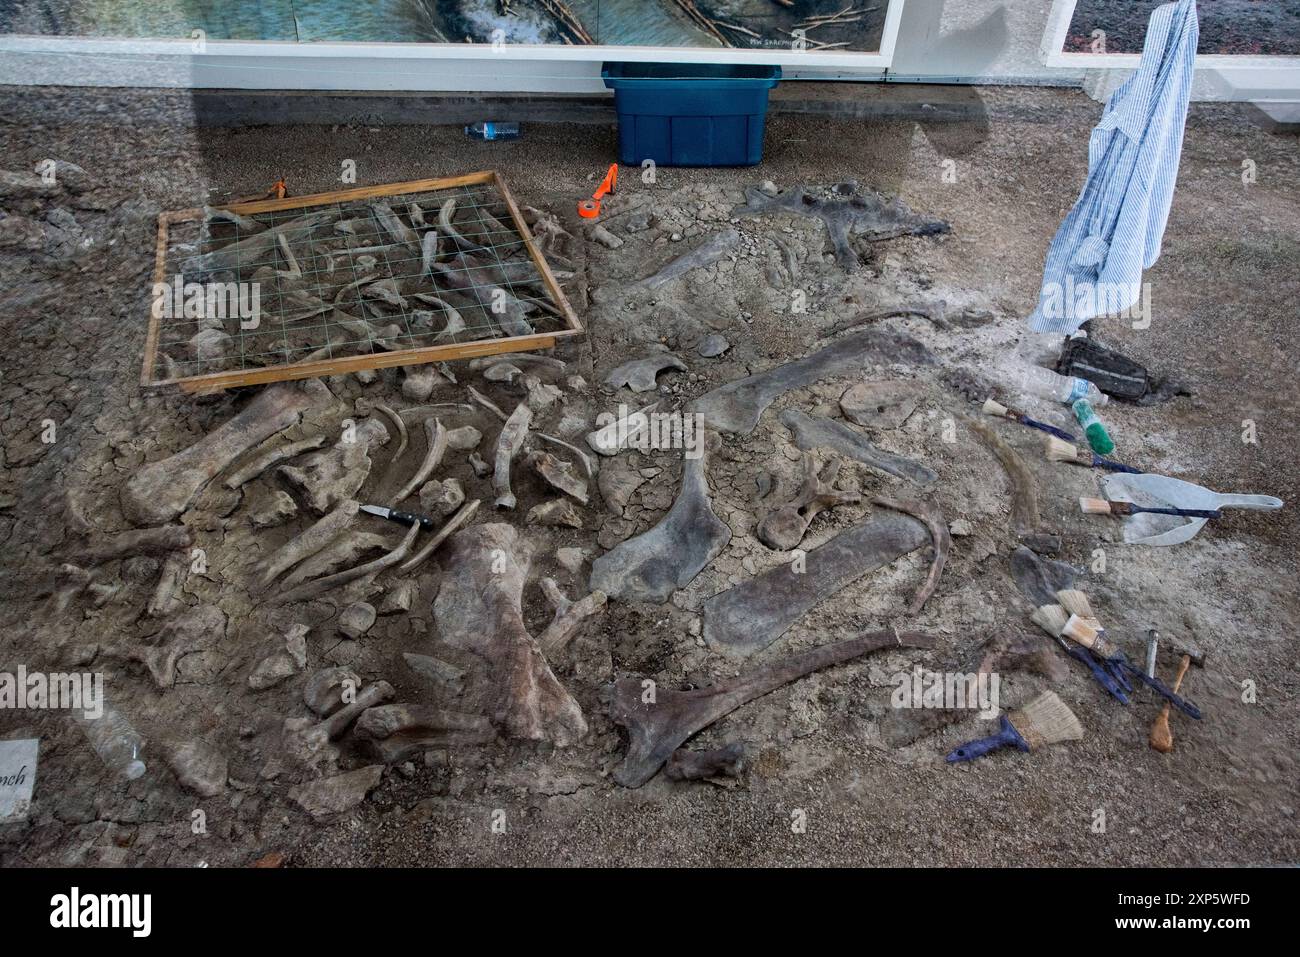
[(407, 518)]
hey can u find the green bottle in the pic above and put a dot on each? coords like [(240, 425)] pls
[(1096, 432)]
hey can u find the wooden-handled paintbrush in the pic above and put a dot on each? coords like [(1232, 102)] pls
[(1058, 450), (1045, 720), (1000, 411), (1081, 629), (1101, 506)]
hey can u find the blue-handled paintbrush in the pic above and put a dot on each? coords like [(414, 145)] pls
[(1000, 411), (1061, 451), (1045, 720)]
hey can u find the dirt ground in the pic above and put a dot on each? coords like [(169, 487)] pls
[(1224, 295)]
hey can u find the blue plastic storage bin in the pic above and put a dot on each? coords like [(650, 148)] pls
[(690, 114)]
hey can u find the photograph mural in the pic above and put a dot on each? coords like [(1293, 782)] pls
[(1228, 27), (812, 25)]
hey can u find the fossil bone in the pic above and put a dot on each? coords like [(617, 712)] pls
[(705, 254), (783, 528), (725, 762), (336, 474), (511, 438), (344, 552), (641, 375), (395, 732), (272, 456), (1025, 517), (454, 524), (928, 513), (881, 405), (737, 406), (436, 434), (866, 214), (650, 567), (812, 432), (478, 610), (253, 249), (161, 490), (753, 614), (557, 512), (558, 475), (394, 226), (659, 723), (569, 616), (616, 436), (1039, 579), (143, 541), (308, 542), (402, 437), (171, 577), (319, 586)]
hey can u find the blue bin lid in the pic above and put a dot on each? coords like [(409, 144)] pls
[(722, 75)]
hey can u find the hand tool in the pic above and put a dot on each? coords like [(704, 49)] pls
[(1162, 736), (1160, 491), (1000, 411), (405, 518), (1060, 451), (1045, 720), (1100, 506)]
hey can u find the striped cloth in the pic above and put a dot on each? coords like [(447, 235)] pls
[(1094, 266)]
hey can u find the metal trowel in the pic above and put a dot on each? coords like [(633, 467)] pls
[(1161, 491)]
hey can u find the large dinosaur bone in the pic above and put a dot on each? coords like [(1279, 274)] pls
[(660, 721), (512, 437), (812, 432), (929, 513), (162, 490), (650, 567), (736, 406), (754, 614), (783, 528), (478, 610), (336, 474)]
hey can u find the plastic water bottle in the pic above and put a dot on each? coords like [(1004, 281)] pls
[(1048, 385), (117, 743), (493, 131), (1093, 428)]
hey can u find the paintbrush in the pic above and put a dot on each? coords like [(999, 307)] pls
[(1045, 720), (1058, 450), (1101, 506), (1086, 631), (1000, 411)]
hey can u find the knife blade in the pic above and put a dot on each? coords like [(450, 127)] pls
[(393, 515)]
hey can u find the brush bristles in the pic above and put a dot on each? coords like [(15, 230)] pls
[(1082, 630), (1046, 720), (1076, 603), (1051, 618), (994, 408), (1059, 450)]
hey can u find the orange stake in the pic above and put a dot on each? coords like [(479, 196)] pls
[(590, 208)]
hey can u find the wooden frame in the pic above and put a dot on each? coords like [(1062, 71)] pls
[(218, 381)]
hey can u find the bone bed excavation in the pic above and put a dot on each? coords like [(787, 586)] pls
[(345, 279)]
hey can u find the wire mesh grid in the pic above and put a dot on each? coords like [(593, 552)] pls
[(432, 269)]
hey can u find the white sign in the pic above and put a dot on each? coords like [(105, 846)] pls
[(17, 778)]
